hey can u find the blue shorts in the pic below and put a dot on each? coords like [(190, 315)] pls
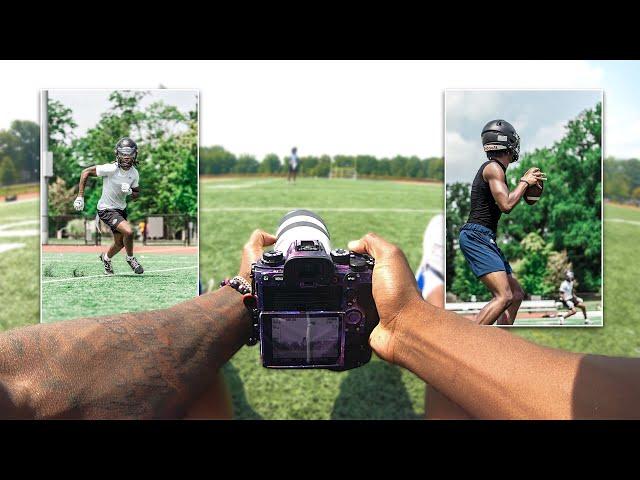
[(478, 245)]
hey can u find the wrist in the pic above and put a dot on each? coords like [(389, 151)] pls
[(408, 337)]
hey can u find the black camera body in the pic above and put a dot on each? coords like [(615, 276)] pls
[(314, 308)]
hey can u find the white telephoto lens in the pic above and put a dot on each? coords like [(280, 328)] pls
[(301, 225)]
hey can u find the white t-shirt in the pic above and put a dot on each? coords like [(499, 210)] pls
[(112, 195), (293, 161), (430, 274), (566, 287)]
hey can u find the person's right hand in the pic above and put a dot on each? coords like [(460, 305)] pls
[(394, 290), (533, 175), (78, 204)]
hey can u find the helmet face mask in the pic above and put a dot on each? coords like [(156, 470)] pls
[(126, 153), (500, 135)]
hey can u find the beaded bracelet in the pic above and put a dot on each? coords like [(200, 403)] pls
[(238, 283)]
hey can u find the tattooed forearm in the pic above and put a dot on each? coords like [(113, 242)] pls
[(138, 365)]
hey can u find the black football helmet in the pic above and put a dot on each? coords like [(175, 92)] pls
[(500, 135), (126, 153)]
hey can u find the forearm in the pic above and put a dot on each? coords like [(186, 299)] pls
[(489, 372), (83, 182), (515, 196), (139, 365)]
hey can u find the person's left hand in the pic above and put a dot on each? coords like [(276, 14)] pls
[(252, 251)]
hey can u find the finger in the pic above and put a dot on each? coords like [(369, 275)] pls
[(260, 238), (371, 244)]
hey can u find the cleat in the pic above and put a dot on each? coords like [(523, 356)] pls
[(108, 268), (135, 266)]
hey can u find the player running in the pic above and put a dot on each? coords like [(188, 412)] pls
[(490, 197), (120, 179), (570, 300)]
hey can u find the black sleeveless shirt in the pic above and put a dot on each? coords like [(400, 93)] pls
[(484, 209)]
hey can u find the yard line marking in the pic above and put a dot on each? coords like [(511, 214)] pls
[(225, 186), (319, 209), (117, 274), (18, 224), (5, 247), (19, 233), (620, 220)]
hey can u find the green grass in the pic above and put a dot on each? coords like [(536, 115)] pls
[(377, 390), (19, 288), (74, 285)]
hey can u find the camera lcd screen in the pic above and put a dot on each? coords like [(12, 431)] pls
[(305, 339)]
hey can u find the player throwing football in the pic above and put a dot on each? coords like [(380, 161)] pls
[(490, 197), (120, 179)]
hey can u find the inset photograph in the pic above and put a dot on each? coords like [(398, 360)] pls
[(523, 176), (119, 201)]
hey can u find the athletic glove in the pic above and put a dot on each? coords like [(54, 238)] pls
[(78, 203), (126, 188)]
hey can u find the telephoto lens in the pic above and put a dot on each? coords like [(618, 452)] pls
[(301, 225)]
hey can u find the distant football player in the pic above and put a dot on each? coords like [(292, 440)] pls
[(490, 198), (120, 179), (294, 162), (570, 300)]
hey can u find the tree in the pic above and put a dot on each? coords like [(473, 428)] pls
[(8, 172), (270, 164)]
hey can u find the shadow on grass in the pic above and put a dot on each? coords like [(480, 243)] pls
[(373, 392), (241, 408)]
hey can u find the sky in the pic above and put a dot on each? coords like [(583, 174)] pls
[(382, 108), (539, 117), (89, 105)]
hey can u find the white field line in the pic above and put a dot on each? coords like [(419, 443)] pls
[(233, 186), (19, 233), (116, 275), (17, 202), (620, 220), (18, 224), (319, 209), (5, 247)]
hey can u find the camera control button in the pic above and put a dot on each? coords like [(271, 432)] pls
[(357, 263), (353, 316), (340, 256), (273, 257)]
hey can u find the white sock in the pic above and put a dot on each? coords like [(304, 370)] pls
[(106, 257)]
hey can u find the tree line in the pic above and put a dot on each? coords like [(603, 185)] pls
[(20, 153), (562, 230), (218, 161)]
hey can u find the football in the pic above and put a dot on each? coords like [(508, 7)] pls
[(534, 192)]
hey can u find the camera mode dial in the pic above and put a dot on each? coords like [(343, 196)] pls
[(273, 257), (340, 256)]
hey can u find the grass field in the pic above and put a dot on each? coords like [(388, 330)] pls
[(232, 208), (19, 267), (73, 284)]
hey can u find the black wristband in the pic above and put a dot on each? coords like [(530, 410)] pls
[(525, 182)]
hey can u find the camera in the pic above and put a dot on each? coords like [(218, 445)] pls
[(313, 305)]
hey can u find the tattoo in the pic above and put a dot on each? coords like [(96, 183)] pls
[(136, 365)]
